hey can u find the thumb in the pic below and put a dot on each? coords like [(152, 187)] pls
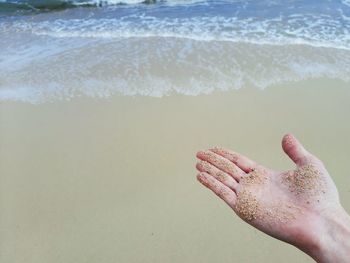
[(295, 150)]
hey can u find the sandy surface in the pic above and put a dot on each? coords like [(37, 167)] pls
[(114, 180)]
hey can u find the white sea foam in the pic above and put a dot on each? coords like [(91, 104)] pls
[(158, 67), (158, 50), (314, 30), (346, 2)]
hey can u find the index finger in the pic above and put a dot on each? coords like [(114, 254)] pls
[(243, 162)]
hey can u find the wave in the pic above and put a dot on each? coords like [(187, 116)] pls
[(160, 67), (346, 2), (186, 47), (312, 29), (25, 6)]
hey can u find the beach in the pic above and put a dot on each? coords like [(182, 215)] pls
[(114, 180), (104, 104)]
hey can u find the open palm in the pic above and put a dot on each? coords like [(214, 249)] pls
[(286, 205)]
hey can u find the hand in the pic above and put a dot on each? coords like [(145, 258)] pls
[(294, 206)]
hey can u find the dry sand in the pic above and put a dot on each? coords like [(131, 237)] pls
[(114, 180)]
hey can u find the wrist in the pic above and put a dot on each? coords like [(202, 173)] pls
[(331, 242)]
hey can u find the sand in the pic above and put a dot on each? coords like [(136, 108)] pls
[(254, 178), (247, 206), (306, 182), (114, 180)]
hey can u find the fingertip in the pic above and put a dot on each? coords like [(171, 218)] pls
[(199, 165), (288, 140), (199, 154), (291, 144), (201, 176), (215, 149), (294, 149)]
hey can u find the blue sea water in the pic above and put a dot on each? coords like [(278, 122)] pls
[(60, 49)]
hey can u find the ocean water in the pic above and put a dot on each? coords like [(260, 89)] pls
[(61, 50)]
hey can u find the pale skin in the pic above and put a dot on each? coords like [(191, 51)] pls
[(300, 206)]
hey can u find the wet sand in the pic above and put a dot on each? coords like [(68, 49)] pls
[(114, 180)]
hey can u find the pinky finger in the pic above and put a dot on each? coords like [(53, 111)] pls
[(221, 190)]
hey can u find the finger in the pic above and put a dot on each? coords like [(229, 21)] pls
[(243, 162), (219, 175), (295, 150), (218, 188), (221, 163)]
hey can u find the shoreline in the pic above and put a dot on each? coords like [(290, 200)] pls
[(107, 179)]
